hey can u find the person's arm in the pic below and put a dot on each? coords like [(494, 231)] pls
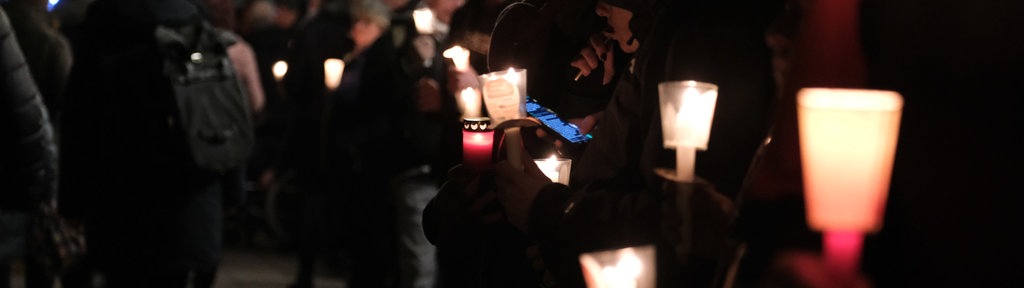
[(34, 155), (245, 65)]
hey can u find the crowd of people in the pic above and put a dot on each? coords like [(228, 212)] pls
[(94, 126)]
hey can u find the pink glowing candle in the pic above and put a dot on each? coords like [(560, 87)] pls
[(477, 143), (847, 145)]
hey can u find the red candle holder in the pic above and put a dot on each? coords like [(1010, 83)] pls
[(477, 143)]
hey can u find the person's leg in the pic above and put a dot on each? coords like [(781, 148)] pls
[(307, 239), (417, 257)]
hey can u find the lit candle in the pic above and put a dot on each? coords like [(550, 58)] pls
[(333, 70), (459, 56), (847, 145), (631, 267), (477, 143), (504, 94), (469, 102), (423, 18), (687, 108), (557, 169), (279, 69)]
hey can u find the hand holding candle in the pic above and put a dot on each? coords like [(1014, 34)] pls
[(847, 145), (687, 108)]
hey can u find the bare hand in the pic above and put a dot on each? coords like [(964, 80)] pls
[(593, 55)]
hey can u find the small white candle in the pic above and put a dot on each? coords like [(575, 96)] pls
[(469, 101), (631, 267), (333, 70), (423, 18), (459, 56), (280, 69), (557, 169), (687, 109)]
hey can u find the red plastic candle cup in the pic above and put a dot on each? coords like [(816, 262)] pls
[(477, 143)]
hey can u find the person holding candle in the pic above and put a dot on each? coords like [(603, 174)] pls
[(614, 198), (428, 134), (347, 204)]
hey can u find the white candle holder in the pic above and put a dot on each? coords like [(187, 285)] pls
[(557, 169), (459, 56), (847, 146), (687, 108), (504, 94), (423, 18), (469, 102), (334, 69), (632, 267)]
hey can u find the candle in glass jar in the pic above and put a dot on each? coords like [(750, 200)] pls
[(477, 143)]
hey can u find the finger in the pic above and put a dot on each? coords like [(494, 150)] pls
[(609, 67), (591, 56), (598, 45), (541, 133), (582, 65)]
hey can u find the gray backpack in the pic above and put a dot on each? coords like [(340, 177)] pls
[(211, 107)]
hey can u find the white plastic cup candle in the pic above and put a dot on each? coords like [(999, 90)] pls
[(469, 103), (504, 94), (631, 267), (459, 56), (280, 69), (557, 169), (687, 108), (847, 145), (423, 18), (333, 70)]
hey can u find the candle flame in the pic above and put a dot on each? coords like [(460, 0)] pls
[(512, 76), (280, 69), (470, 103)]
